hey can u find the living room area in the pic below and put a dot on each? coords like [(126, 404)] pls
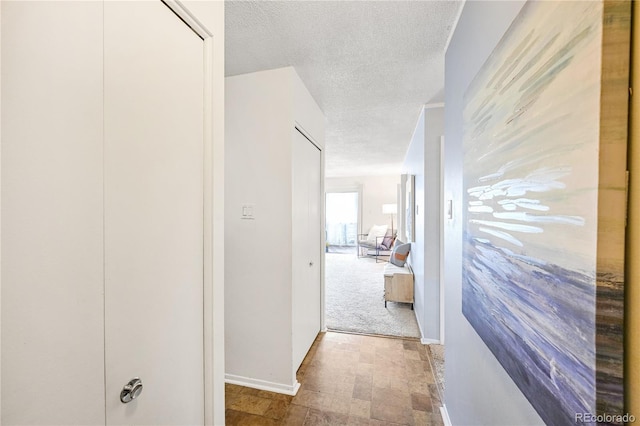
[(362, 229)]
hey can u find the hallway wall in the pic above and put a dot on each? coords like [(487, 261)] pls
[(471, 368), (423, 161), (261, 110), (478, 391), (414, 165)]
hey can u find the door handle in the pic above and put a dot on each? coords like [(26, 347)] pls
[(131, 390), (310, 263)]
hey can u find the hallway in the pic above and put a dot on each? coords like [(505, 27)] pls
[(348, 379)]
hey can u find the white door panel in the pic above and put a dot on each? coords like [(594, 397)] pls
[(153, 214), (102, 213), (306, 246), (52, 278)]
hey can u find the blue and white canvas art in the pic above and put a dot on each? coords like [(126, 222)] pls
[(531, 145)]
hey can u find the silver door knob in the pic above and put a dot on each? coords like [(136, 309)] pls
[(131, 390), (310, 263)]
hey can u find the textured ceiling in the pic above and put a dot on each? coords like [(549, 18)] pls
[(370, 66)]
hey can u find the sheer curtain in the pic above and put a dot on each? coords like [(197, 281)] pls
[(342, 218)]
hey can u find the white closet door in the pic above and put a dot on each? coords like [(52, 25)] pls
[(153, 214), (306, 246), (52, 278)]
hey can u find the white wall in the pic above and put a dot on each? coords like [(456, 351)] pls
[(414, 165), (376, 191), (433, 130), (423, 161), (261, 110), (306, 112), (258, 252), (478, 391)]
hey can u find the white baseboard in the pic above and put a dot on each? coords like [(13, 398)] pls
[(423, 339), (262, 384), (445, 416)]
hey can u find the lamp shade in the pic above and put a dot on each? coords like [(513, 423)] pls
[(389, 208)]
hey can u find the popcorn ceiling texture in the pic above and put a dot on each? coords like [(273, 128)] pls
[(370, 66)]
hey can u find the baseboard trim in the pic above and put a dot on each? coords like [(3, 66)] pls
[(445, 416), (423, 339), (262, 384)]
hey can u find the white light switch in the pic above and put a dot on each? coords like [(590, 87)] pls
[(248, 211)]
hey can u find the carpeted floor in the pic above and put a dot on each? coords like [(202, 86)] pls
[(354, 299), (342, 249)]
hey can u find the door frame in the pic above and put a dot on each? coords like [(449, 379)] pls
[(298, 127), (213, 238)]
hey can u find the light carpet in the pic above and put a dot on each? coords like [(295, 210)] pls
[(354, 299)]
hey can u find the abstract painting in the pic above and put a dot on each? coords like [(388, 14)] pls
[(535, 280)]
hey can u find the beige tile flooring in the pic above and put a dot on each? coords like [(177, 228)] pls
[(348, 379)]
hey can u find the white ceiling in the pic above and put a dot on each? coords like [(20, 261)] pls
[(370, 66)]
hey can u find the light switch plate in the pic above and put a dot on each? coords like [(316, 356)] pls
[(248, 211)]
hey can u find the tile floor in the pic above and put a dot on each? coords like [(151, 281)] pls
[(348, 379)]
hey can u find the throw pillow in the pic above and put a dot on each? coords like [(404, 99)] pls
[(375, 232), (387, 241), (400, 254)]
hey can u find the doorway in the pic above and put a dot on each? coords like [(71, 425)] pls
[(354, 285), (306, 235)]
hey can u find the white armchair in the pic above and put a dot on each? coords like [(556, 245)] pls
[(379, 239)]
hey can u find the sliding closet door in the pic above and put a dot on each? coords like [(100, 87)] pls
[(306, 246), (52, 318), (153, 215)]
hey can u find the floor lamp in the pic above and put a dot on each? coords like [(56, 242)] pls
[(390, 209)]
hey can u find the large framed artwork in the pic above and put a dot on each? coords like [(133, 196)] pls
[(545, 123)]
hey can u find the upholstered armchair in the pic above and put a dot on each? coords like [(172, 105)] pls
[(372, 244)]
